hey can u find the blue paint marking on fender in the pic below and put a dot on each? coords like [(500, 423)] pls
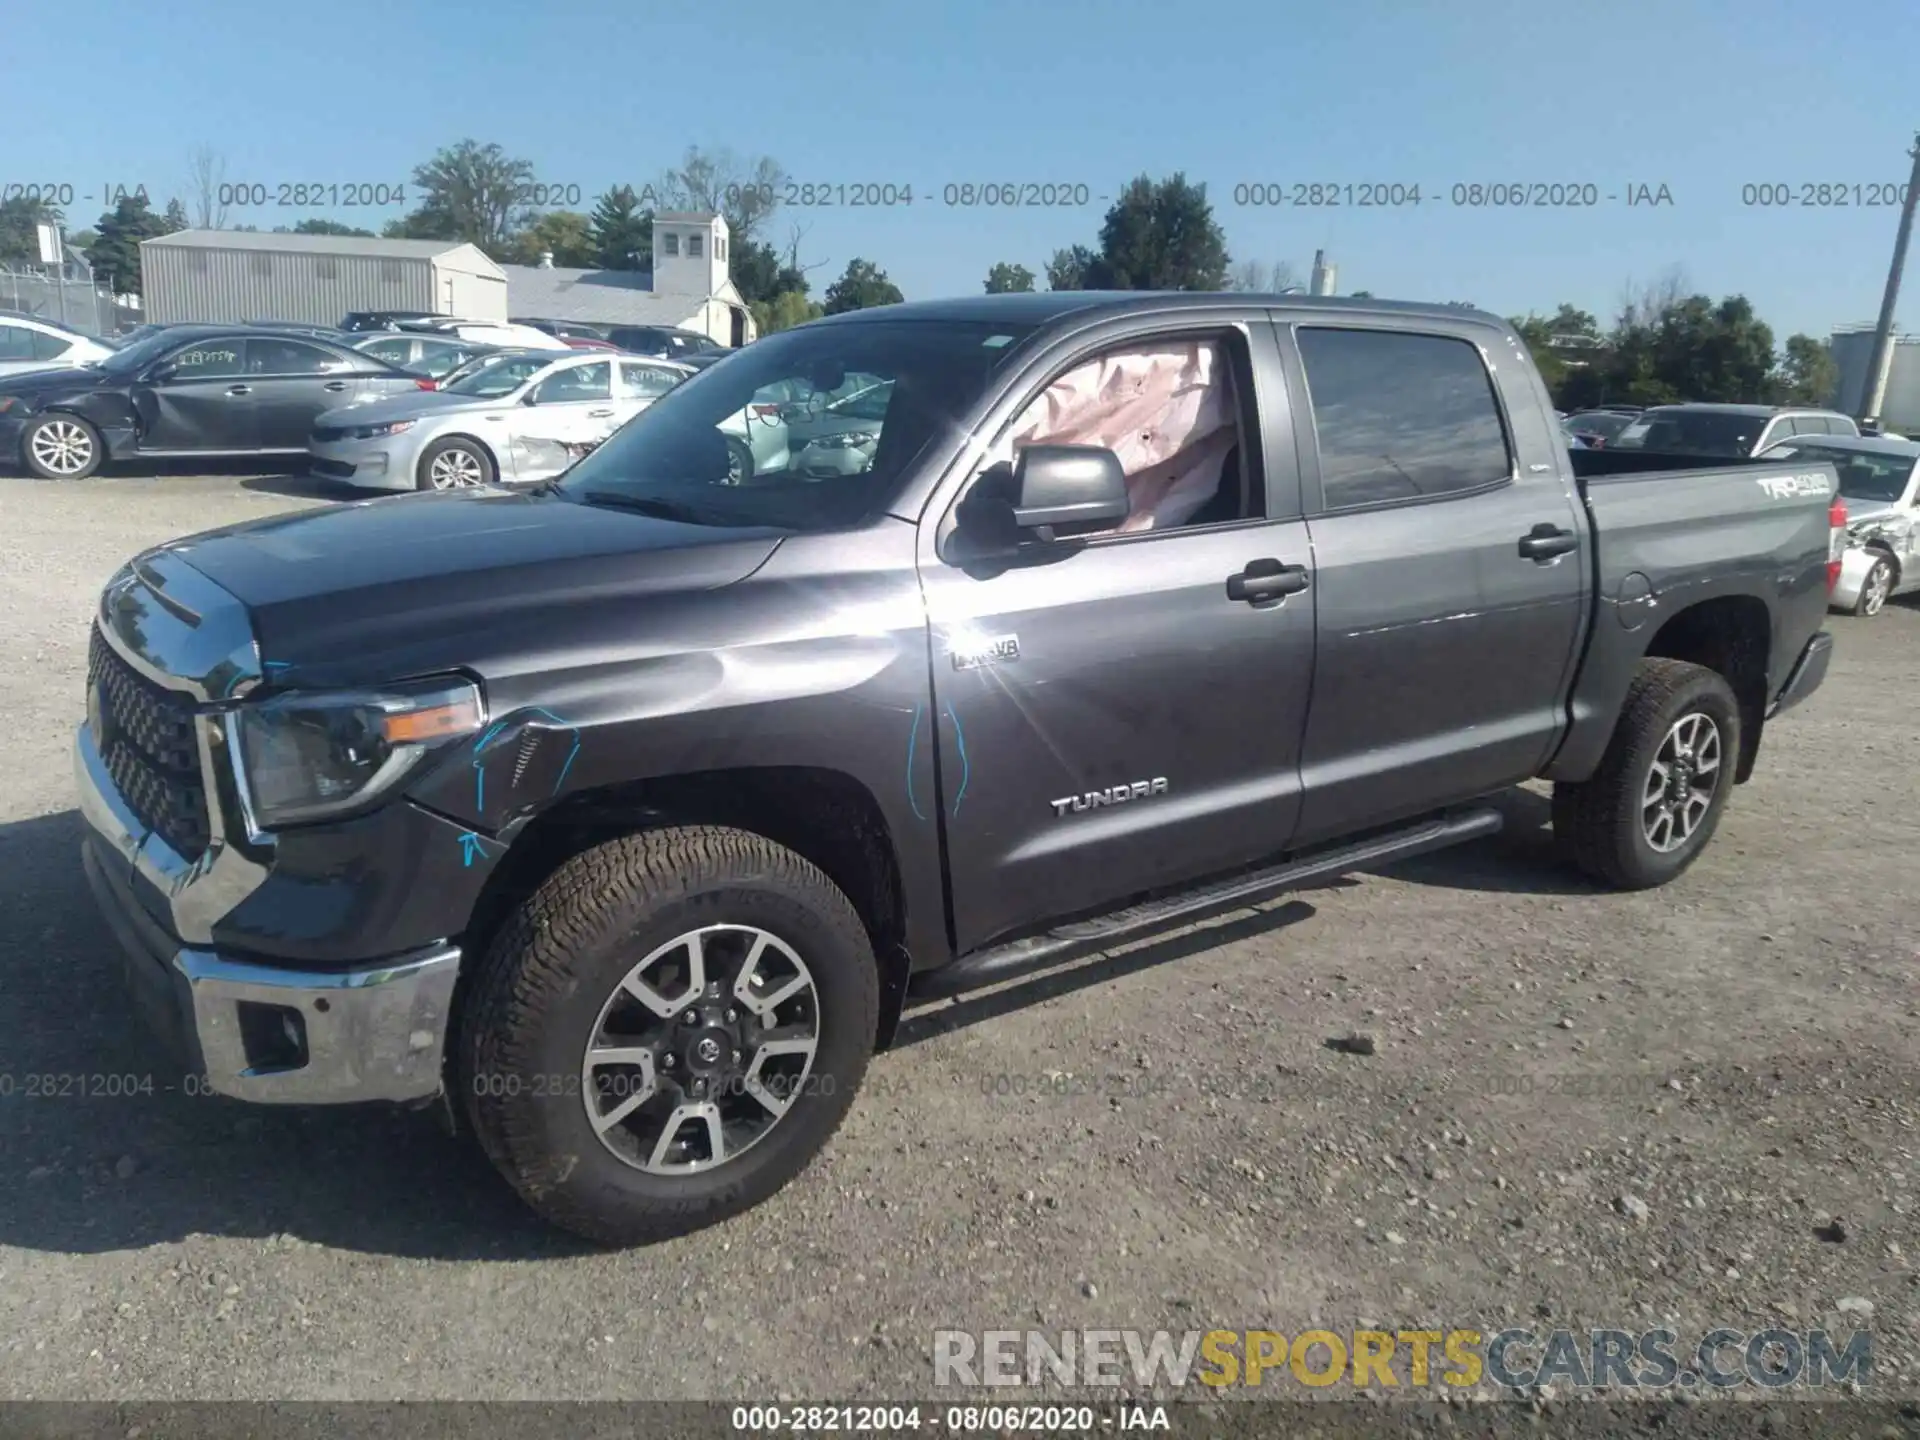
[(494, 731), (913, 738), (470, 846), (966, 767)]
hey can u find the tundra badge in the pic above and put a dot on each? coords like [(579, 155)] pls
[(975, 651), (1112, 795)]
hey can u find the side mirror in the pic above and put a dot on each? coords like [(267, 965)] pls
[(1068, 488), (162, 372)]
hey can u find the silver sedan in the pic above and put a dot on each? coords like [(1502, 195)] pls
[(517, 417), (1880, 481)]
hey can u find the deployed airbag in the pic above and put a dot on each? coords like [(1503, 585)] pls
[(1167, 411)]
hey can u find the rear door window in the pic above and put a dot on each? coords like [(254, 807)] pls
[(1401, 416)]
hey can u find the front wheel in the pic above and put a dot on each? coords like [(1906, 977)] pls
[(667, 1031), (739, 462), (1875, 589), (62, 447), (454, 464), (1649, 810)]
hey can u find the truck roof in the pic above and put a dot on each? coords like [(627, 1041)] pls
[(1039, 307)]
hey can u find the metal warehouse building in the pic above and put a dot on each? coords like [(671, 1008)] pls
[(1852, 349), (227, 276)]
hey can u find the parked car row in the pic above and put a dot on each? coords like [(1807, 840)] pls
[(510, 416)]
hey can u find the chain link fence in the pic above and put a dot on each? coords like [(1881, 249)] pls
[(71, 299)]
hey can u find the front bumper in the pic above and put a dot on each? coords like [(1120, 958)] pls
[(285, 1037), (1808, 671), (385, 464), (278, 1033)]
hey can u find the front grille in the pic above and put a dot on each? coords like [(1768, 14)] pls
[(147, 742), (327, 434), (335, 469)]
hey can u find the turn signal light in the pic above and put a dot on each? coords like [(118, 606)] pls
[(427, 384)]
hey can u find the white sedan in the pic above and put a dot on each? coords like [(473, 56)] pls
[(27, 345), (509, 419)]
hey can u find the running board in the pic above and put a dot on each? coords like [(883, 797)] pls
[(1081, 938)]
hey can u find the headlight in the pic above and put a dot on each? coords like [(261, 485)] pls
[(375, 432), (315, 757), (851, 440)]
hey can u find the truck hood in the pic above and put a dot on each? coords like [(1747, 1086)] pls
[(412, 582)]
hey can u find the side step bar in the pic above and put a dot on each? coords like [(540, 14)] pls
[(1079, 939)]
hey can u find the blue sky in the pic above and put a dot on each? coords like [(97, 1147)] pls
[(1702, 98)]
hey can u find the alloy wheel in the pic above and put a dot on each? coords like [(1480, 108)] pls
[(1879, 585), (62, 447), (1681, 783), (701, 1049), (455, 470)]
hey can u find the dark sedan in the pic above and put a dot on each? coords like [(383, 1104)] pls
[(188, 390)]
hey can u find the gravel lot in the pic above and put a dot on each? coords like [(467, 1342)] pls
[(1738, 1053)]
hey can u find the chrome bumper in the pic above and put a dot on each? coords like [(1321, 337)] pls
[(257, 1032)]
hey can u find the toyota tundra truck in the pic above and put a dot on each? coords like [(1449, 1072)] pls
[(617, 818)]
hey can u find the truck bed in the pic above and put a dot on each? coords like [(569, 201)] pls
[(1668, 535)]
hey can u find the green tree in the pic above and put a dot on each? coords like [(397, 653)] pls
[(861, 286), (784, 311), (1006, 279), (317, 226), (176, 216), (116, 254), (759, 274), (20, 218), (1565, 341), (471, 192), (1161, 236), (1363, 295), (622, 232), (1806, 374), (567, 234), (1069, 268)]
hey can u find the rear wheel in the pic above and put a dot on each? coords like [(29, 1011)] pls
[(454, 464), (667, 1031), (1653, 804), (62, 447), (1875, 589)]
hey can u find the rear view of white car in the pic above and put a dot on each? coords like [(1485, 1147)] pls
[(516, 417), (27, 344)]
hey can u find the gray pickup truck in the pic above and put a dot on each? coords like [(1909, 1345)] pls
[(619, 818)]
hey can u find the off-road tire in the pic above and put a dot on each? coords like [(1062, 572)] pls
[(551, 966), (1598, 821)]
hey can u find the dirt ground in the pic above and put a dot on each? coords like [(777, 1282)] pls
[(1694, 1107)]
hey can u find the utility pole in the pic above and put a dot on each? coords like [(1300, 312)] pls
[(1881, 365)]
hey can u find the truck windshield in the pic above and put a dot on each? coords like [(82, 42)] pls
[(811, 429), (1693, 432)]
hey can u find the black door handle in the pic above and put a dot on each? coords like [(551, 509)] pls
[(335, 385), (1265, 580), (1544, 542), (239, 389)]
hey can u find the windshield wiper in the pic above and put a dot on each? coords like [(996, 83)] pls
[(649, 505)]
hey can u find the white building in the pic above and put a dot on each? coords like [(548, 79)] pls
[(1852, 349), (688, 286), (228, 276)]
